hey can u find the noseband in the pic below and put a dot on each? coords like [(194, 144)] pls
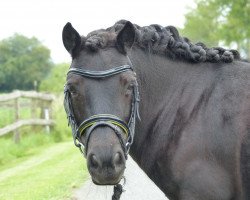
[(119, 126)]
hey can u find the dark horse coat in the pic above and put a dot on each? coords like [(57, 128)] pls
[(193, 139)]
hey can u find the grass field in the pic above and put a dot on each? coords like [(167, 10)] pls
[(42, 166), (52, 173)]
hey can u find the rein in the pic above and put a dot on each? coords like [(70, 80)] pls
[(119, 126)]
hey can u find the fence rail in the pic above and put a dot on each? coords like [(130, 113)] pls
[(27, 94), (25, 122), (38, 101)]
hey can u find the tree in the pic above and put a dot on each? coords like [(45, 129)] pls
[(23, 61), (56, 79), (220, 21)]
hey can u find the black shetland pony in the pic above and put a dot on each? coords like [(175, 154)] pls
[(183, 108)]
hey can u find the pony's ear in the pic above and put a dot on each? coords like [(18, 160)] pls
[(71, 39), (125, 38)]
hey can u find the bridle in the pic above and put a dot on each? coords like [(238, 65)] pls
[(87, 126)]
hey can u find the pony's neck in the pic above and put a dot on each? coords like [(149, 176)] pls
[(155, 78), (162, 85)]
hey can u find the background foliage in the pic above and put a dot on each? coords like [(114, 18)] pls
[(22, 62), (220, 21), (56, 79)]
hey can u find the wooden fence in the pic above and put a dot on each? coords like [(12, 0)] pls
[(39, 105)]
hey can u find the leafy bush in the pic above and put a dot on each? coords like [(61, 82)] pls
[(56, 79), (61, 131)]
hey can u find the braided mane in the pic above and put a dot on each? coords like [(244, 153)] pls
[(161, 40)]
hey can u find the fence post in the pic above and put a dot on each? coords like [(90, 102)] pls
[(39, 100), (17, 116), (33, 108)]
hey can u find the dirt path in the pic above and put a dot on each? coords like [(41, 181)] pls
[(138, 186)]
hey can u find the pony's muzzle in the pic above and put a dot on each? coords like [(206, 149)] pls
[(108, 171), (105, 159)]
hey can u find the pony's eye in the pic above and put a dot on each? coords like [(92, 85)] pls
[(72, 90), (73, 93)]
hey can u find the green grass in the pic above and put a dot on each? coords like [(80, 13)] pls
[(50, 174), (42, 166), (6, 116), (29, 145)]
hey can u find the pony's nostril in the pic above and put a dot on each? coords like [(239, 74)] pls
[(93, 161), (118, 159)]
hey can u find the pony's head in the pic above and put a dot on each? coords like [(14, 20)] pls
[(101, 99)]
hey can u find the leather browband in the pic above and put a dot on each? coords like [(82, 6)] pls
[(100, 74)]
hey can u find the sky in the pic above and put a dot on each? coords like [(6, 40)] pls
[(45, 19)]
